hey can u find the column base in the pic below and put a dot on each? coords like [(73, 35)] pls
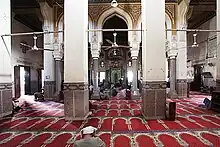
[(49, 90), (5, 99), (181, 88), (95, 95), (135, 95), (154, 99), (172, 94), (76, 101)]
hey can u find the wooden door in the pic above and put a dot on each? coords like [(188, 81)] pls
[(17, 81), (27, 77), (39, 79)]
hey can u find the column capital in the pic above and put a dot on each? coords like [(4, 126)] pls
[(95, 48), (58, 51), (135, 49), (135, 45), (95, 53), (172, 49)]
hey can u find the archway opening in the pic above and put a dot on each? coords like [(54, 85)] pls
[(115, 22), (115, 58)]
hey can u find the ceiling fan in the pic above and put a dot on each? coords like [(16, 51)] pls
[(114, 44), (34, 48)]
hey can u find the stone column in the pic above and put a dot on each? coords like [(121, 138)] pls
[(58, 55), (181, 61), (134, 56), (95, 48), (76, 92), (172, 54), (49, 63), (153, 57), (5, 60), (218, 47)]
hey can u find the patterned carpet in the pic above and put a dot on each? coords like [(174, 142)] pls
[(119, 122)]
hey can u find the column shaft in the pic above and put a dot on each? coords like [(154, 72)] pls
[(134, 81), (218, 47), (58, 75), (95, 78), (49, 63), (134, 70), (76, 104), (5, 60), (172, 93), (153, 57), (181, 61)]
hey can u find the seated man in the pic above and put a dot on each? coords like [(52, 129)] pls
[(89, 139)]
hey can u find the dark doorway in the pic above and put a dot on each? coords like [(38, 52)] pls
[(27, 80), (197, 83), (39, 79), (115, 57), (17, 81)]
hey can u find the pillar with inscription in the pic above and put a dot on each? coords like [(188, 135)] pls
[(58, 55), (95, 49), (76, 92), (5, 60), (172, 55), (218, 47), (181, 61), (134, 56), (153, 57), (49, 63)]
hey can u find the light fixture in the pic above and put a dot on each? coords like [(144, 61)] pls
[(114, 3), (114, 52), (195, 40)]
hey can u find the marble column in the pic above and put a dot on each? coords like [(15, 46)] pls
[(134, 56), (172, 55), (5, 60), (76, 92), (58, 55), (134, 81), (218, 47), (95, 48), (181, 61), (49, 62), (153, 57)]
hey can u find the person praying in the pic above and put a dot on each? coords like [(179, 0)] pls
[(89, 139)]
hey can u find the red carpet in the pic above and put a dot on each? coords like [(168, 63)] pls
[(119, 122)]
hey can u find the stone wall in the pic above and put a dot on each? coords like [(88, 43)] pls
[(206, 53), (20, 57)]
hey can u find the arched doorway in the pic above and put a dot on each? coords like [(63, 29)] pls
[(115, 58)]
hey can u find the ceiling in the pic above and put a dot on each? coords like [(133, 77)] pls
[(201, 11), (28, 11)]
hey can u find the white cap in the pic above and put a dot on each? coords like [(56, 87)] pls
[(89, 130)]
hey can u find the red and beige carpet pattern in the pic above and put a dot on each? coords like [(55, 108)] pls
[(119, 122)]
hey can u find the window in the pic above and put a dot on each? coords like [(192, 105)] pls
[(130, 76), (102, 76)]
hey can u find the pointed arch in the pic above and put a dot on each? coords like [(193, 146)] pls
[(110, 13)]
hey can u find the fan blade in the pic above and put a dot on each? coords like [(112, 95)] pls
[(109, 41), (26, 45), (123, 46), (107, 48), (45, 49)]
